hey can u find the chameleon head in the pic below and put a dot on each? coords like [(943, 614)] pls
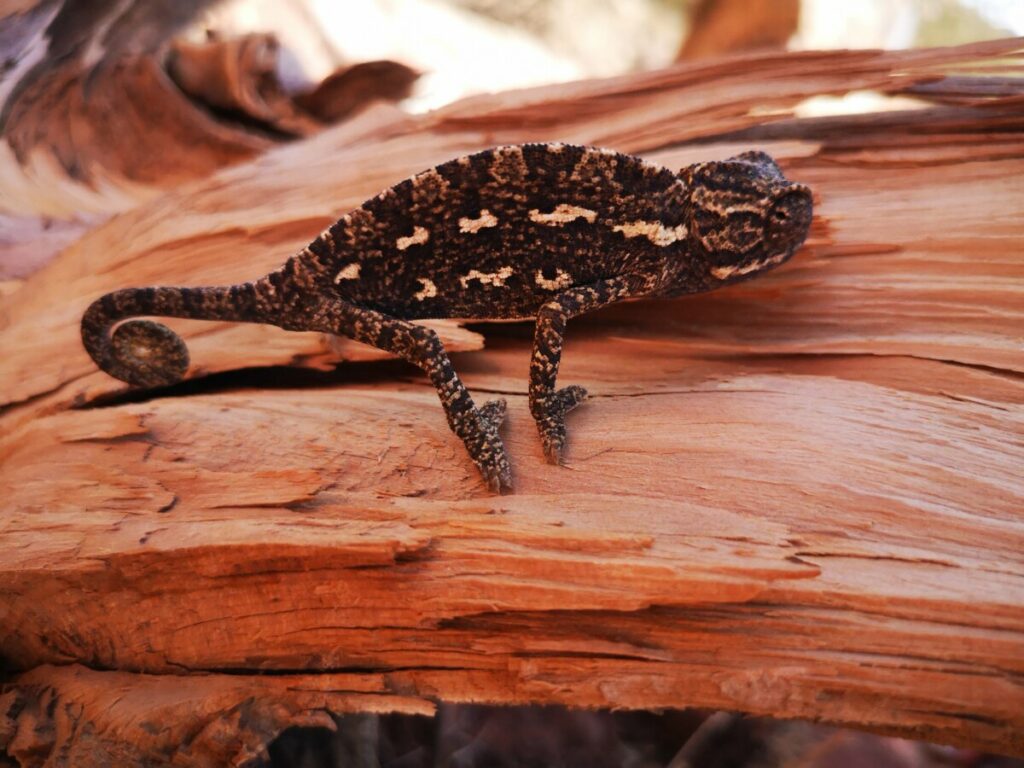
[(745, 217)]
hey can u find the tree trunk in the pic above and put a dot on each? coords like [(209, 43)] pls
[(799, 496)]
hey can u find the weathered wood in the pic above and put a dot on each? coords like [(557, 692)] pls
[(799, 496), (101, 110), (77, 716)]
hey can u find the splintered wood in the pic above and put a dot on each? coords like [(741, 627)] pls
[(798, 497)]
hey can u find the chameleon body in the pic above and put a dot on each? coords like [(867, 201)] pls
[(543, 231)]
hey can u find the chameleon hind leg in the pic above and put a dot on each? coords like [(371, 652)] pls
[(548, 405), (476, 427)]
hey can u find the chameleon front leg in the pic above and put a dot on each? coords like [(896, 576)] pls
[(548, 405), (476, 427)]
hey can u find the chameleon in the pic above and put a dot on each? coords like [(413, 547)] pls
[(544, 231)]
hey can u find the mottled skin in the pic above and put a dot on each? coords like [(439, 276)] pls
[(545, 231)]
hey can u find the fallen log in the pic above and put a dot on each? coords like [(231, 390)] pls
[(798, 497)]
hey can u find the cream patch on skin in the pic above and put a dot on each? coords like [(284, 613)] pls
[(757, 209), (430, 178), (327, 237), (350, 272), (429, 188), (654, 231), (508, 166), (562, 280), (563, 214), (419, 236), (471, 226), (732, 271), (496, 279), (710, 202), (428, 291), (594, 165)]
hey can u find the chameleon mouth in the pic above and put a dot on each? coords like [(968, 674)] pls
[(738, 270), (789, 219)]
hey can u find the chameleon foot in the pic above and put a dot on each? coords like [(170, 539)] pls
[(493, 411), (487, 449), (551, 423)]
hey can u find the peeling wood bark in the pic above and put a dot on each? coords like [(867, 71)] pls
[(100, 110), (798, 497)]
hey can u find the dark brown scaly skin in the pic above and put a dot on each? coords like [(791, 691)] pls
[(540, 230)]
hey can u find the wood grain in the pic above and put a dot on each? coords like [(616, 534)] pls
[(799, 496)]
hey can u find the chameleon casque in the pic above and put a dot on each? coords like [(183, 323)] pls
[(545, 231)]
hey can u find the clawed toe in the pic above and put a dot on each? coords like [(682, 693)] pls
[(495, 468), (498, 478), (488, 450), (551, 420), (569, 397), (553, 450), (493, 412)]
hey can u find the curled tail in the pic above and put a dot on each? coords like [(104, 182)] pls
[(148, 354)]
